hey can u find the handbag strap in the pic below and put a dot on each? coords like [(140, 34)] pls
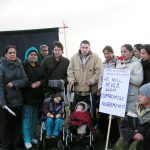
[(50, 72)]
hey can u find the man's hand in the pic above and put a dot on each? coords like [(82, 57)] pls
[(62, 81), (72, 83)]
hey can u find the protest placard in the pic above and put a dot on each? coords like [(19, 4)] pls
[(114, 91)]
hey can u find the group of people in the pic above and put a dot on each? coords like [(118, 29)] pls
[(24, 86), (134, 133)]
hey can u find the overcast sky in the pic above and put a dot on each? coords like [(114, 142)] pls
[(102, 22)]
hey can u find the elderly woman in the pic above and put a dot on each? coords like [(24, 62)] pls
[(136, 74), (12, 79)]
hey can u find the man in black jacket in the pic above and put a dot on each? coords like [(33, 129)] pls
[(55, 66)]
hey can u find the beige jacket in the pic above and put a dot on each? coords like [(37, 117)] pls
[(90, 71)]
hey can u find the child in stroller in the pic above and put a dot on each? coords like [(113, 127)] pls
[(80, 119), (53, 113)]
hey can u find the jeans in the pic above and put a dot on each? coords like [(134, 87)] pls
[(29, 122), (53, 126)]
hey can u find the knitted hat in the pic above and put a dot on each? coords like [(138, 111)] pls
[(145, 89), (30, 50)]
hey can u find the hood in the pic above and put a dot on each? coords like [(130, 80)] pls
[(28, 51), (83, 103), (11, 64)]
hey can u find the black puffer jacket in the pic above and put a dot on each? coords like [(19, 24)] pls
[(33, 96), (11, 72)]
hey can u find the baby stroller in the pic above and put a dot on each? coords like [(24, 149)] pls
[(51, 143), (80, 135)]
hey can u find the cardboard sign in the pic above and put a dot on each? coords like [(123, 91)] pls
[(114, 91)]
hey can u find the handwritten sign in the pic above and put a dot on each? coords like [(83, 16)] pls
[(114, 91)]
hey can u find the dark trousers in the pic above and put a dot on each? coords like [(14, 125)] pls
[(10, 127)]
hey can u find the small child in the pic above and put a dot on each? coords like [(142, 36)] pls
[(81, 118), (135, 128), (53, 115)]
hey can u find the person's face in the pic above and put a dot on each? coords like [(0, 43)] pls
[(136, 52), (108, 55), (57, 51), (44, 51), (143, 100), (144, 55), (126, 53), (32, 57), (85, 48), (57, 100), (11, 54), (79, 108)]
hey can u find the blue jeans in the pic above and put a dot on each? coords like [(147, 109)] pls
[(29, 122), (53, 126)]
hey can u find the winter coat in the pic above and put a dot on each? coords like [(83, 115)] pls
[(81, 73), (53, 108), (55, 70), (137, 121), (33, 96), (11, 72), (146, 70), (136, 79), (82, 118)]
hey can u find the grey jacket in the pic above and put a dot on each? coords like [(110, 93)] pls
[(11, 72)]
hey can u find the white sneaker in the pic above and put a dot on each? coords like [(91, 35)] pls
[(28, 145), (34, 141)]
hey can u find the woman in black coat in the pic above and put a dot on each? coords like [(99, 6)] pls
[(12, 79)]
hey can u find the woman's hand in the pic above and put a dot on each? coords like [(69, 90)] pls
[(9, 85)]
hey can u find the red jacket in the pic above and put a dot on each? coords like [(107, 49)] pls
[(82, 118)]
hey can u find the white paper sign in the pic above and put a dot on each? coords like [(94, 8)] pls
[(114, 91)]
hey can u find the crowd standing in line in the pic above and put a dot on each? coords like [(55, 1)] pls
[(24, 87)]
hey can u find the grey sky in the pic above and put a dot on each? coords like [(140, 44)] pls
[(102, 22)]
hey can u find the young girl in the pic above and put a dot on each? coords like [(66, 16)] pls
[(53, 115), (81, 118)]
